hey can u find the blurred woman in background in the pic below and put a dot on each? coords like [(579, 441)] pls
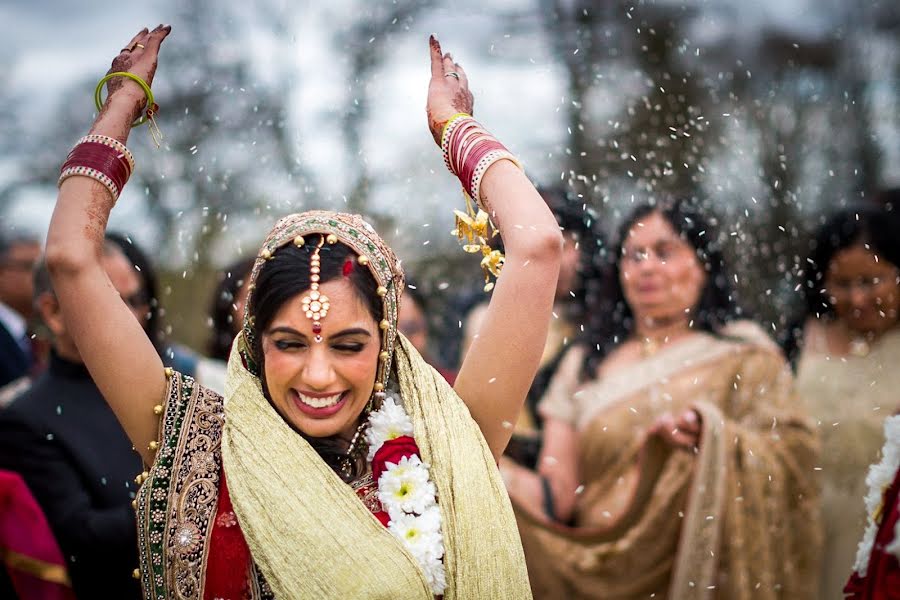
[(413, 322), (227, 312), (676, 459), (210, 373), (847, 356)]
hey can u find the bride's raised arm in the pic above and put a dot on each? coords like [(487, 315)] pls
[(500, 365), (113, 345)]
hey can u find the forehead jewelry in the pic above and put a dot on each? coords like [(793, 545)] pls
[(316, 304)]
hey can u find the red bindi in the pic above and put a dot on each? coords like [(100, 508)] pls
[(348, 267)]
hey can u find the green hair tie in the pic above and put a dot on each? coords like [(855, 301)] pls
[(150, 104)]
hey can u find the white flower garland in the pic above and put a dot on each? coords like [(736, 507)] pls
[(880, 477), (387, 423), (408, 495)]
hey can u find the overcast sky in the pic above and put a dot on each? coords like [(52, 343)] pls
[(521, 97), (518, 84)]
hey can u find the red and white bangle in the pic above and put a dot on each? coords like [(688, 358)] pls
[(452, 124), (485, 163), (112, 143), (102, 158), (93, 174), (469, 150)]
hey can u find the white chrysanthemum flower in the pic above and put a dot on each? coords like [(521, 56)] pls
[(405, 486), (421, 543), (435, 575), (878, 479), (429, 544), (430, 519), (408, 495), (387, 423)]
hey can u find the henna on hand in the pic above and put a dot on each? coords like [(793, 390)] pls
[(435, 127), (464, 102), (139, 56), (447, 95), (97, 210)]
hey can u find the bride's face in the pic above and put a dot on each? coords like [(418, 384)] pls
[(321, 388)]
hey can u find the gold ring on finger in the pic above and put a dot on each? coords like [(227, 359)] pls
[(141, 46), (452, 74)]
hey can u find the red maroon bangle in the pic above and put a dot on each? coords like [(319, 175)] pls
[(101, 161), (113, 143), (469, 150), (465, 145), (472, 160), (459, 133), (475, 153), (100, 153), (98, 159), (101, 158), (99, 149)]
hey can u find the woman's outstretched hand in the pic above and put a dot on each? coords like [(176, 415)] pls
[(448, 90), (683, 431), (139, 56)]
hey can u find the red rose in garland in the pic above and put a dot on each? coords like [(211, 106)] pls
[(407, 494), (392, 451)]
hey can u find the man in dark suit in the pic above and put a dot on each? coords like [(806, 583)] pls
[(17, 258), (64, 440)]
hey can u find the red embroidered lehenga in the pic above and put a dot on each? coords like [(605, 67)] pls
[(228, 572)]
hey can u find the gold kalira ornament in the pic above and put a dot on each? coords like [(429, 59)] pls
[(474, 230), (316, 304), (469, 151)]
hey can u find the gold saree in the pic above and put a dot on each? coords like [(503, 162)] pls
[(736, 519)]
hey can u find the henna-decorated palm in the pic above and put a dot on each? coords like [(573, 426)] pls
[(448, 90), (139, 56)]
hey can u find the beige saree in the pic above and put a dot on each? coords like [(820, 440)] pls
[(737, 519), (849, 397)]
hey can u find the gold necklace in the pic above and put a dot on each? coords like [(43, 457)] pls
[(349, 459)]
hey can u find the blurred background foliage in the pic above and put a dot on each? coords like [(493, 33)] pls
[(774, 113)]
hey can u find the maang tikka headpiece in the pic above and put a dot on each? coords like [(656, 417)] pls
[(316, 304)]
